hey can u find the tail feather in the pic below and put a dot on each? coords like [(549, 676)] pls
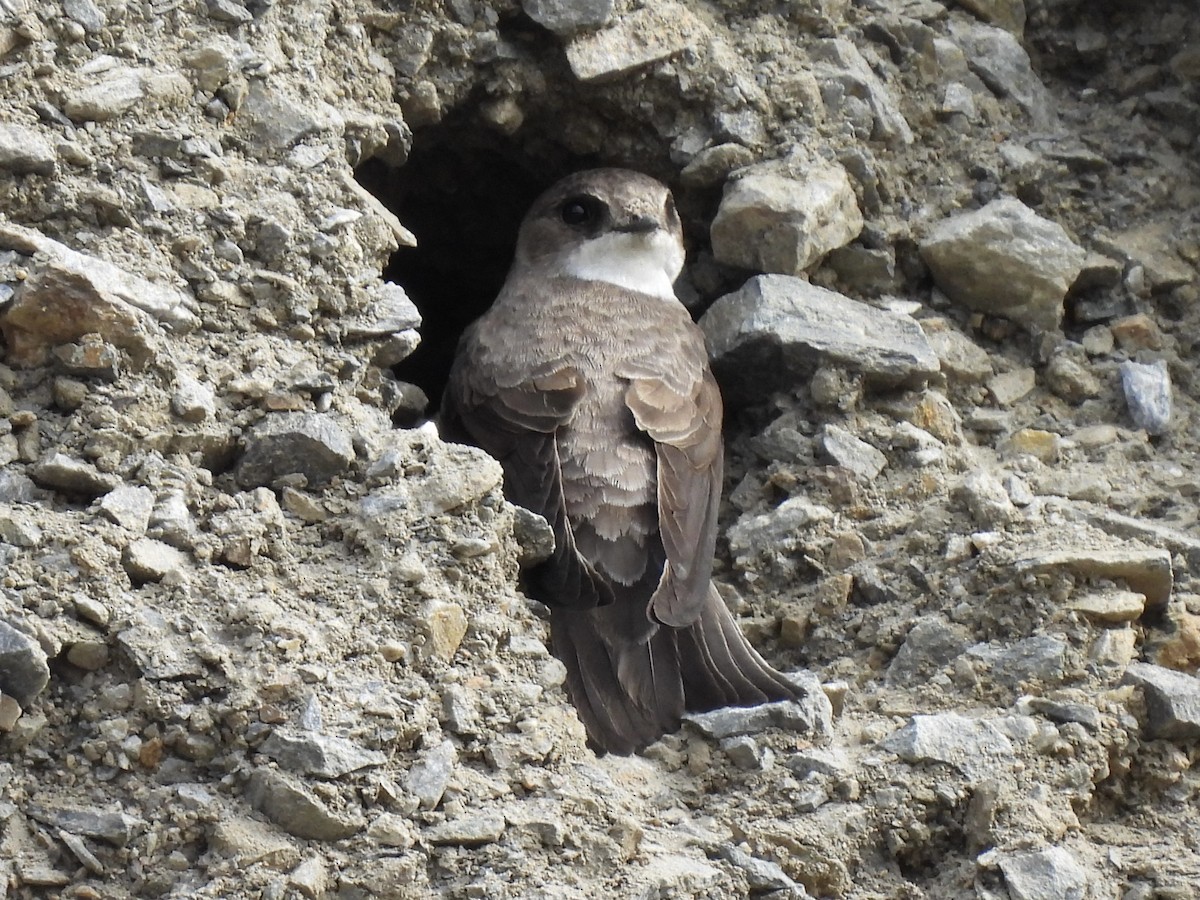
[(631, 683)]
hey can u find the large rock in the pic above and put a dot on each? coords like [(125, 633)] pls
[(70, 294), (565, 17), (1003, 65), (1006, 260), (24, 671), (773, 222), (777, 329)]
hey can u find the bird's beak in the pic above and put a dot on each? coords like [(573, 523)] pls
[(638, 225)]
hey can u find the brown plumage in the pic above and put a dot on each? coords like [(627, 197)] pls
[(590, 384)]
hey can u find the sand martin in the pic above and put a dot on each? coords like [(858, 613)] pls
[(590, 384)]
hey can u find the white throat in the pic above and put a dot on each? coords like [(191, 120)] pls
[(638, 262)]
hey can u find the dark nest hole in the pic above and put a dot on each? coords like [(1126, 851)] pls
[(463, 192)]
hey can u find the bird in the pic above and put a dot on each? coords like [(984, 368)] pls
[(589, 382)]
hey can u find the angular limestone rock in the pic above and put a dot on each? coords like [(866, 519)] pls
[(772, 222), (648, 35), (777, 329), (1006, 260)]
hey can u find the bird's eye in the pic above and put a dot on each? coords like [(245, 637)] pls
[(577, 210)]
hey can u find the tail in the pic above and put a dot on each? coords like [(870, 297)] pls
[(631, 680)]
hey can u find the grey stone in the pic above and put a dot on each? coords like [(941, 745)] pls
[(128, 506), (250, 841), (1061, 711), (812, 714), (645, 36), (92, 357), (1070, 379), (931, 643), (157, 650), (975, 747), (116, 828), (1147, 390), (87, 14), (171, 521), (60, 472), (275, 121), (831, 762), (772, 222), (777, 329), (744, 752), (72, 294), (228, 11), (1172, 701), (1049, 874), (392, 313), (1006, 260), (840, 64), (1003, 65), (116, 91), (16, 487), (779, 531), (295, 809), (987, 500), (24, 152), (18, 529), (712, 165), (1041, 658), (843, 449), (322, 755), (469, 830), (958, 100), (193, 401), (1008, 387), (534, 537), (1147, 571), (565, 17), (864, 271), (24, 670), (309, 444), (146, 560), (428, 779), (761, 874)]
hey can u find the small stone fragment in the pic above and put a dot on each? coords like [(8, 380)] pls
[(18, 528), (250, 841), (565, 17), (841, 65), (192, 401), (844, 449), (70, 476), (772, 222), (1147, 571), (1009, 387), (428, 779), (310, 878), (128, 506), (987, 500), (294, 809), (1041, 658), (115, 92), (24, 152), (1112, 607), (310, 444), (1070, 380), (635, 40), (1001, 63), (92, 357), (777, 329), (1041, 445), (1148, 395), (779, 531), (468, 830), (88, 655), (1049, 874), (322, 755), (931, 643), (1172, 701), (116, 828), (975, 747), (960, 357), (24, 669), (1006, 260), (147, 560), (445, 625)]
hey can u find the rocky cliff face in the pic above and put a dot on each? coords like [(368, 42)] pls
[(257, 641)]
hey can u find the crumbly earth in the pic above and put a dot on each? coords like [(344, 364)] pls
[(310, 672)]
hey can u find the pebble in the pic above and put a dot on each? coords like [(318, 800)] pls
[(250, 841), (774, 222), (321, 755), (470, 830), (445, 625), (23, 151), (117, 91), (777, 329), (147, 560), (1071, 380), (976, 747), (1045, 446), (1148, 394), (192, 400), (292, 807), (24, 669), (429, 778), (988, 500), (842, 448), (635, 40), (18, 529), (311, 877), (157, 650), (1049, 874), (1172, 701), (930, 644), (565, 17), (310, 444), (1006, 260), (88, 655), (128, 506), (1145, 570), (60, 472), (1112, 607), (960, 357), (762, 875)]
